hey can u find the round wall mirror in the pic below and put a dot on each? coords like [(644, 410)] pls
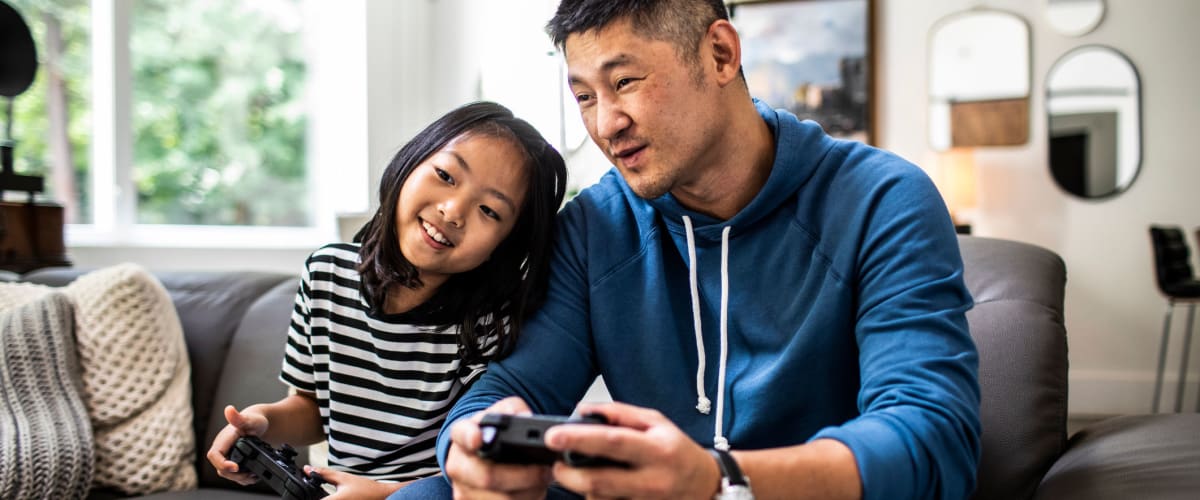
[(1093, 103), (1074, 17), (978, 80)]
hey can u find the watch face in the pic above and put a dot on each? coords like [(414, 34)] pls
[(735, 492)]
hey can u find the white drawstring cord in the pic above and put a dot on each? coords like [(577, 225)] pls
[(719, 441), (702, 403)]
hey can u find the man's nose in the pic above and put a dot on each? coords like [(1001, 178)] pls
[(611, 119)]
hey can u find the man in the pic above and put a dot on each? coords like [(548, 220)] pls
[(746, 283)]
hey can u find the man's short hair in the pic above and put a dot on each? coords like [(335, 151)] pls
[(681, 23)]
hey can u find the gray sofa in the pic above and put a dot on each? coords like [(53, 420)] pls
[(235, 324)]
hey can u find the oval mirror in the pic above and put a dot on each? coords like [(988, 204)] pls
[(18, 57), (1074, 17), (979, 80), (1093, 103)]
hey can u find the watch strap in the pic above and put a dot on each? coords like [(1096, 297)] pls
[(729, 468)]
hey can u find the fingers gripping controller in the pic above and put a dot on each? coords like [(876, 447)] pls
[(518, 439), (277, 468)]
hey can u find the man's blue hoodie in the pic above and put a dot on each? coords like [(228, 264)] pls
[(843, 316)]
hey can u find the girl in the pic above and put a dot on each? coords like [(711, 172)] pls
[(388, 331)]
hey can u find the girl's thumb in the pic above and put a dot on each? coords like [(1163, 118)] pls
[(234, 417)]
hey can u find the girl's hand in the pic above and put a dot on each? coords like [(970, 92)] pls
[(352, 486), (250, 423)]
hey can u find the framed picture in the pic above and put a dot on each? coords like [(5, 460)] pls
[(812, 57)]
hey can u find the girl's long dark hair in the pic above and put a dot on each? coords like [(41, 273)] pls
[(495, 298)]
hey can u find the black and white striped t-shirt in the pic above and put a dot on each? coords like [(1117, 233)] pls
[(383, 386)]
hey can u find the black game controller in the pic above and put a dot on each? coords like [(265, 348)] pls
[(515, 439), (277, 468)]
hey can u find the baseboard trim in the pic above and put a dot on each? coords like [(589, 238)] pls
[(1116, 392)]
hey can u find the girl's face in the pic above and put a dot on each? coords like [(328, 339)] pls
[(459, 204)]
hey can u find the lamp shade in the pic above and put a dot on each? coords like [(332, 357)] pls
[(957, 180)]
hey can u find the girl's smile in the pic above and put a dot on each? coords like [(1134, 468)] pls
[(436, 238)]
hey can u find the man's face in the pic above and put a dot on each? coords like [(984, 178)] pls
[(643, 106)]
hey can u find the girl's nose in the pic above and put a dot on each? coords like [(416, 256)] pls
[(450, 212)]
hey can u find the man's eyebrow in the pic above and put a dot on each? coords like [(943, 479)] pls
[(617, 61), (462, 162)]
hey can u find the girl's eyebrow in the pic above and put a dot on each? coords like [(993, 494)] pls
[(462, 162)]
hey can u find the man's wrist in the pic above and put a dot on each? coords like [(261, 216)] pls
[(733, 484)]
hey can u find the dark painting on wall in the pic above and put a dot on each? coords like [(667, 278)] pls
[(813, 58)]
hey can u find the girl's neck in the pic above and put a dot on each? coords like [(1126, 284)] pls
[(401, 299)]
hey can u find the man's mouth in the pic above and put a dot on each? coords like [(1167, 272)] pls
[(628, 152), (435, 234)]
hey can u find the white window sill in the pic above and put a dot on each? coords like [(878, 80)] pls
[(199, 237)]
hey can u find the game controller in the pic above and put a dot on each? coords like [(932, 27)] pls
[(516, 439), (277, 468)]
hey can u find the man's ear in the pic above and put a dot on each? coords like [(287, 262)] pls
[(726, 48)]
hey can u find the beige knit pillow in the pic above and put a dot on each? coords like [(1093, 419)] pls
[(136, 377)]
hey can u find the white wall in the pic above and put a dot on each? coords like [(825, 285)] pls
[(1114, 311)]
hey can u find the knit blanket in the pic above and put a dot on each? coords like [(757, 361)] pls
[(45, 435), (136, 377)]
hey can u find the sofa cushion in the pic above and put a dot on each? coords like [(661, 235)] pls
[(1140, 456), (45, 435), (136, 379)]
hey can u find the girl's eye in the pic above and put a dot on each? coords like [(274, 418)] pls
[(488, 212), (444, 176), (582, 98)]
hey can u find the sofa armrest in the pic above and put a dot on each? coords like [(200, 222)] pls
[(251, 371), (1017, 325)]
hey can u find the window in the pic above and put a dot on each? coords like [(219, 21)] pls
[(191, 123), (218, 115)]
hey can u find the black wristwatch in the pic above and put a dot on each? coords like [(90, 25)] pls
[(734, 486)]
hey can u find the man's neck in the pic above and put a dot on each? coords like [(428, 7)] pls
[(738, 169)]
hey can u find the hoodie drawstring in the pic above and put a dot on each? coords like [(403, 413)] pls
[(702, 402)]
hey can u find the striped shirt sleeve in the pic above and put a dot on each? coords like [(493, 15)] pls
[(297, 370)]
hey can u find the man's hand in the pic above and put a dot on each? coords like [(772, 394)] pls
[(250, 423), (664, 462), (475, 477), (352, 486)]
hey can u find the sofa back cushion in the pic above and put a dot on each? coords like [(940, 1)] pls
[(1017, 324)]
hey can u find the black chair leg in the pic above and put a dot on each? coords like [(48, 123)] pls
[(1162, 357), (1183, 360)]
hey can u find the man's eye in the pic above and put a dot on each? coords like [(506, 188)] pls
[(581, 98), (487, 211), (623, 82), (444, 176)]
